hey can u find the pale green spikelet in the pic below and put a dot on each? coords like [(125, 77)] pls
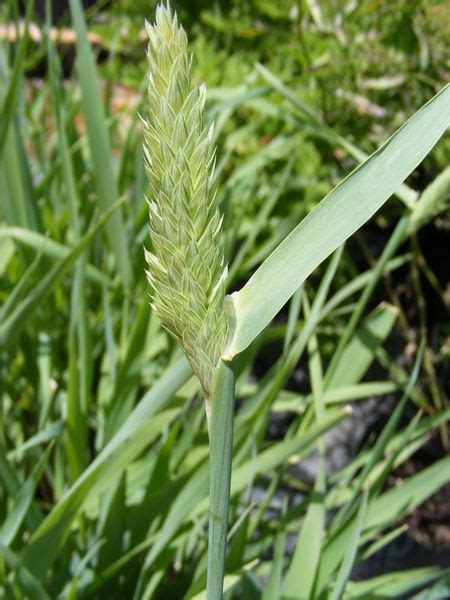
[(186, 266)]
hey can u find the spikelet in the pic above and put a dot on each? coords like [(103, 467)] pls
[(186, 267)]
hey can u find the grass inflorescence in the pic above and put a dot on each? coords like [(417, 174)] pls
[(186, 264)]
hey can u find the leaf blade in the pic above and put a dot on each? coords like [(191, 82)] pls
[(347, 208), (103, 172)]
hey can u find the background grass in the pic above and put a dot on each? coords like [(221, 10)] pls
[(103, 442)]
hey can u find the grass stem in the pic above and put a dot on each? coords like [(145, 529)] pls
[(221, 446)]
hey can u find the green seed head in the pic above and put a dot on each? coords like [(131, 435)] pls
[(186, 265)]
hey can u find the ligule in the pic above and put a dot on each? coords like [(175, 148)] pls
[(186, 265)]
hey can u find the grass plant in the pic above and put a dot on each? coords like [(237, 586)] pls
[(113, 483)]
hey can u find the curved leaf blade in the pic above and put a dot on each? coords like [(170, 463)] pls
[(342, 212)]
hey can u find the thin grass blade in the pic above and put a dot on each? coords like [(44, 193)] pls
[(99, 143)]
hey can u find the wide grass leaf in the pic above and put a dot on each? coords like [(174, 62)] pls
[(336, 218)]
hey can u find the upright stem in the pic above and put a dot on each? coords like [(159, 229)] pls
[(220, 454)]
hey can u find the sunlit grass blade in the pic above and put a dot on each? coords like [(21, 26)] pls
[(105, 179), (44, 435), (399, 501), (360, 282), (75, 434), (290, 401), (126, 377)]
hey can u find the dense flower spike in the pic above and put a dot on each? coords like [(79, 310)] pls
[(186, 265)]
